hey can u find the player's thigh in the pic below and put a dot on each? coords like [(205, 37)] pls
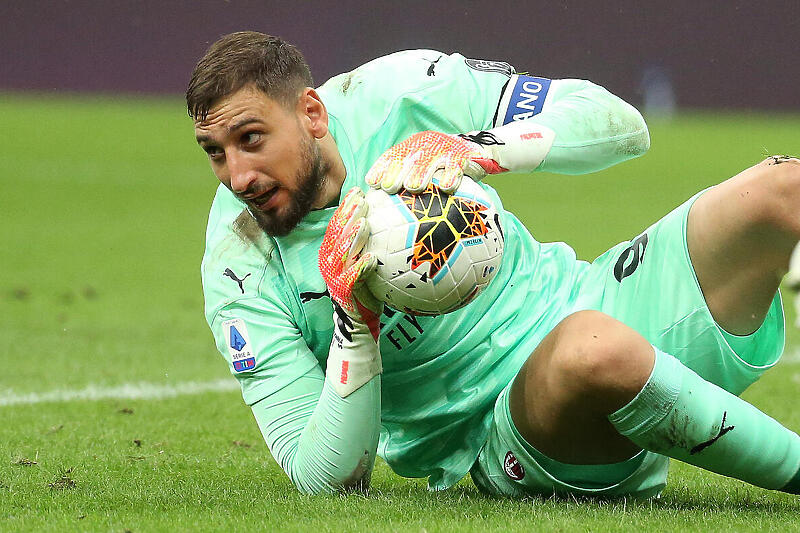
[(740, 236), (509, 466), (649, 284), (589, 366)]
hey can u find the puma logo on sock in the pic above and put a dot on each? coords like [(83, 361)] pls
[(722, 430)]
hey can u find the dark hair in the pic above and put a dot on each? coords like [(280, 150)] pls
[(274, 66)]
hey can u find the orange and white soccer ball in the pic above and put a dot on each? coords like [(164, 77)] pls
[(435, 251)]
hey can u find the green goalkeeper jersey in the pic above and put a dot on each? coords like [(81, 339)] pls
[(267, 304)]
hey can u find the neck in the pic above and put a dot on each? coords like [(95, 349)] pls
[(334, 178)]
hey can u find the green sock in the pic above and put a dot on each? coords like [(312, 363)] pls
[(681, 415)]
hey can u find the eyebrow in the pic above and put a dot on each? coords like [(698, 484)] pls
[(235, 126)]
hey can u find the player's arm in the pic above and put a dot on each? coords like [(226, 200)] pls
[(564, 126), (581, 128), (323, 441), (324, 431)]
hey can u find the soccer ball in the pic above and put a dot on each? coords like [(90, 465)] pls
[(435, 251)]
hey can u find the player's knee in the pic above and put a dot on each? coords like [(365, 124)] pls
[(777, 193), (600, 357)]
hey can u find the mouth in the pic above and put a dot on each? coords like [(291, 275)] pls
[(265, 200)]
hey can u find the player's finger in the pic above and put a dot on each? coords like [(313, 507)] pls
[(425, 173), (341, 250), (450, 179), (344, 212), (360, 206), (360, 237), (376, 172), (357, 213), (396, 172), (450, 176), (362, 268), (420, 170), (354, 275), (474, 170), (337, 223)]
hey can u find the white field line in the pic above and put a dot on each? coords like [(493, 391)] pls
[(127, 391), (155, 391)]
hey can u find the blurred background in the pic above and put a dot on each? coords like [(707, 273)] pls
[(698, 54)]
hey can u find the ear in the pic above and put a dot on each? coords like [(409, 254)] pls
[(313, 113)]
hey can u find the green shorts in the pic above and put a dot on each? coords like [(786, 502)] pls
[(649, 284)]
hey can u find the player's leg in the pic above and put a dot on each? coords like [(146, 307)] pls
[(588, 367), (793, 280), (740, 235), (594, 379)]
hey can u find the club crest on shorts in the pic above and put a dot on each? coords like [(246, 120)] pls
[(239, 347), (513, 468)]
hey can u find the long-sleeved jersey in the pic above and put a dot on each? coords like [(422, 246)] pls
[(267, 305)]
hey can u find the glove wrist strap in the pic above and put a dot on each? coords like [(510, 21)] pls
[(354, 357), (518, 146)]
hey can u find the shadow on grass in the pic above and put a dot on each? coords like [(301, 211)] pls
[(738, 499)]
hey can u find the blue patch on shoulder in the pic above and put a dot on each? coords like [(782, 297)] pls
[(237, 341)]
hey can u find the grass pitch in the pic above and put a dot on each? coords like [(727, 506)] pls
[(103, 209)]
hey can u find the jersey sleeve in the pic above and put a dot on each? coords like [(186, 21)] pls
[(389, 99), (263, 348), (594, 129), (324, 443), (248, 308), (394, 96)]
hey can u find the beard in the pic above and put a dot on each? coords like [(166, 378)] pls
[(310, 179)]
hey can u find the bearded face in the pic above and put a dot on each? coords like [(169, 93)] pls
[(264, 152), (309, 180)]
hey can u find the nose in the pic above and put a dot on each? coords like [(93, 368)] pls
[(242, 173)]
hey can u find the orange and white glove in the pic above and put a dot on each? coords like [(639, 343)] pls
[(354, 357), (519, 146)]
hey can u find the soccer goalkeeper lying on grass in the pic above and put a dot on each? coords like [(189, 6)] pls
[(562, 376)]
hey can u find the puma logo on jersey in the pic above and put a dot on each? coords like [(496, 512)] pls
[(484, 138), (228, 272), (432, 65), (307, 296)]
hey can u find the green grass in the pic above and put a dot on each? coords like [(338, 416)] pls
[(103, 209)]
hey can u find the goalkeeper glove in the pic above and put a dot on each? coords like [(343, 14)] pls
[(518, 147), (354, 357)]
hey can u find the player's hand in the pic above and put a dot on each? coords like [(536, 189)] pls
[(354, 357), (344, 268), (412, 163)]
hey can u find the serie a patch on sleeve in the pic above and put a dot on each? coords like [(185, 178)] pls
[(239, 346), (522, 98)]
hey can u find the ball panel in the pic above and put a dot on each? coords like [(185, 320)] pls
[(435, 251)]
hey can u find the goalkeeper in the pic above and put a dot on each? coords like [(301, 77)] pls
[(562, 376)]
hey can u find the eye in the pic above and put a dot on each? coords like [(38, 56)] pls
[(251, 138), (214, 153)]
